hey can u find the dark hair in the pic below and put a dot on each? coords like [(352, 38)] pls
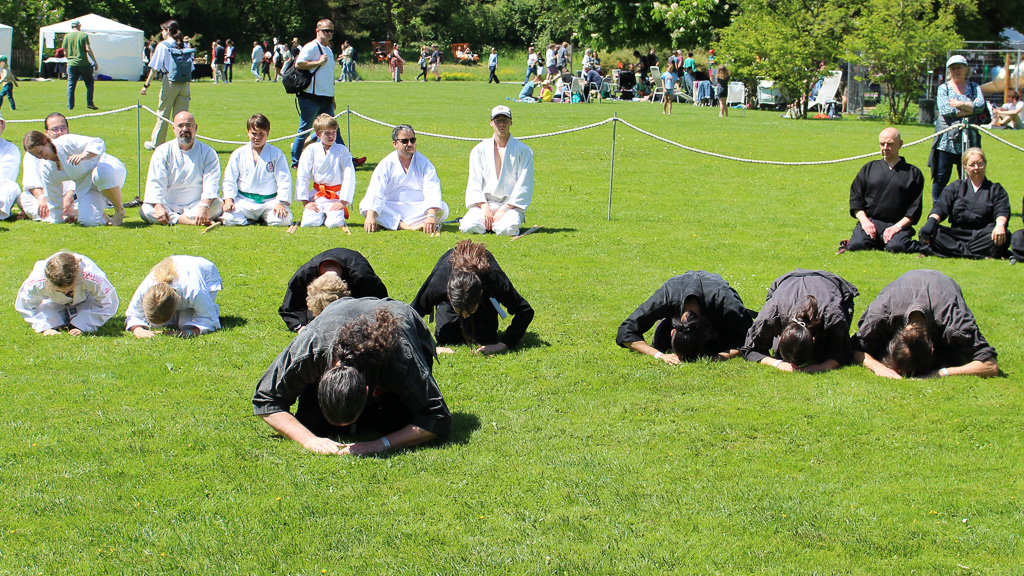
[(399, 129), (691, 337), (46, 121), (465, 285), (796, 343), (174, 29), (258, 122), (910, 351), (360, 346), (34, 138)]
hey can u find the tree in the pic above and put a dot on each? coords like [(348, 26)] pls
[(896, 40), (791, 41), (612, 24), (694, 22)]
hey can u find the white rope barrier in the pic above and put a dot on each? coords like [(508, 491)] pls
[(545, 135)]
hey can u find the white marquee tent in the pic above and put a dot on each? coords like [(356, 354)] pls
[(117, 47), (6, 34)]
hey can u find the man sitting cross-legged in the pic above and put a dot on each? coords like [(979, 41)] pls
[(182, 186)]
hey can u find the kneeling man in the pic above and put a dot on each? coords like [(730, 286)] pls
[(500, 181), (257, 181), (885, 198), (404, 191), (182, 186)]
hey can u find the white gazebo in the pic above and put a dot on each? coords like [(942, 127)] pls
[(117, 47), (6, 34)]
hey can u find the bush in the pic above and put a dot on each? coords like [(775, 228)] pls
[(457, 76)]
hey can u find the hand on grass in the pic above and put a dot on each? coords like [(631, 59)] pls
[(323, 446), (140, 332), (670, 359), (443, 350), (75, 332), (50, 332)]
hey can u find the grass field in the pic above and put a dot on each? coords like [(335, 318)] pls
[(570, 455)]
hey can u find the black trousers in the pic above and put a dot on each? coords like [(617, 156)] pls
[(493, 77), (962, 243), (902, 241)]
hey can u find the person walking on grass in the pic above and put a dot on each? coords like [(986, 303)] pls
[(7, 83), (722, 91), (257, 60), (435, 62), (492, 65), (78, 49), (174, 60)]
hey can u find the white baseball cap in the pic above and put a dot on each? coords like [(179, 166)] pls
[(501, 110), (956, 59)]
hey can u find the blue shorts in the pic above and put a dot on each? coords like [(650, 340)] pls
[(670, 91)]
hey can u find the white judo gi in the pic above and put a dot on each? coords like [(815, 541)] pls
[(179, 180), (10, 161), (512, 187), (255, 186), (397, 196), (93, 300), (54, 190), (324, 178), (102, 172), (197, 284)]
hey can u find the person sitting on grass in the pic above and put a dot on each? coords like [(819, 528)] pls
[(978, 211), (697, 315), (526, 94), (920, 325), (362, 363), (98, 176), (182, 185), (179, 293), (257, 181), (404, 191), (67, 291), (347, 265), (466, 287), (325, 181), (1008, 115), (805, 322)]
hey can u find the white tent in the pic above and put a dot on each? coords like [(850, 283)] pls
[(117, 47), (6, 33)]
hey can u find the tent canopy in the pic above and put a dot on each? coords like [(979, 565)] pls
[(6, 36), (117, 47)]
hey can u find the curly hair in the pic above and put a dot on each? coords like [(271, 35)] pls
[(692, 333), (910, 351), (465, 285), (62, 270), (324, 290), (359, 346), (796, 343)]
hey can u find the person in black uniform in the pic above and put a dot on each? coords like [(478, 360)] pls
[(920, 323), (885, 198), (461, 287), (1017, 243), (350, 265), (698, 314), (361, 363), (978, 211), (805, 322)]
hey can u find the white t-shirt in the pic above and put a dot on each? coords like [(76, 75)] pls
[(323, 77), (531, 60)]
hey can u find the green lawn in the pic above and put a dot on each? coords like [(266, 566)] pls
[(570, 455)]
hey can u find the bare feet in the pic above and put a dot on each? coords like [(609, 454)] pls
[(117, 219)]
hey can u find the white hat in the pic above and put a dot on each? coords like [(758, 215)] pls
[(956, 59), (500, 110)]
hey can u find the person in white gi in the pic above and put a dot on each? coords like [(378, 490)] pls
[(179, 293), (66, 291), (500, 181), (98, 176), (52, 202), (404, 191), (10, 161), (325, 181), (257, 181), (182, 186)]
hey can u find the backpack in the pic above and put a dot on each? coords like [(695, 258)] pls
[(295, 80), (182, 70)]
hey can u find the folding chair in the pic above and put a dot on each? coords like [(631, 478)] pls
[(737, 94), (659, 88), (827, 92), (576, 88)]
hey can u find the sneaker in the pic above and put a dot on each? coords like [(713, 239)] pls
[(1013, 260), (295, 165), (93, 107), (357, 162), (149, 145), (133, 203), (844, 245)]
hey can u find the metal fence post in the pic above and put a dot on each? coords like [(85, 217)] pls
[(138, 146), (348, 126), (611, 176)]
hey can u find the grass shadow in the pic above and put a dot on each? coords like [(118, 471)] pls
[(532, 340), (131, 225), (368, 166), (546, 230), (232, 322)]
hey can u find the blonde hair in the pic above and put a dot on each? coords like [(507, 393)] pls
[(324, 122), (161, 300), (62, 270), (323, 291), (973, 152)]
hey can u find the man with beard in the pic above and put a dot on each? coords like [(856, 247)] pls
[(183, 183)]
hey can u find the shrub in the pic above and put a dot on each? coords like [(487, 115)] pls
[(457, 76)]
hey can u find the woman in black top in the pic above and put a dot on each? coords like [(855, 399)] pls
[(463, 286)]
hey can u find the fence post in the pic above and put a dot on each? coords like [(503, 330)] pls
[(348, 127), (138, 147), (611, 176)]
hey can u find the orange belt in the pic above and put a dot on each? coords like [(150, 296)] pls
[(328, 193)]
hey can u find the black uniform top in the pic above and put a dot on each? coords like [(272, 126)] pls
[(787, 295), (887, 195), (719, 303), (495, 285), (355, 271), (409, 374), (955, 335), (970, 210)]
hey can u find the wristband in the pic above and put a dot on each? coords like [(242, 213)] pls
[(658, 355), (943, 371), (387, 444), (778, 362)]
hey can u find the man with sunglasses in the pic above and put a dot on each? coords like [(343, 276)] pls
[(318, 97), (404, 191)]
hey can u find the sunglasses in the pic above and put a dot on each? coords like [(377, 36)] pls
[(327, 30), (407, 140)]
